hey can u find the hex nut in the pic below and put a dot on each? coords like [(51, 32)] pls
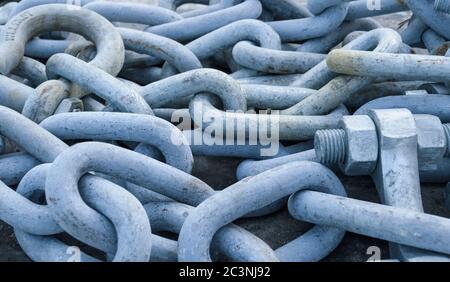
[(431, 140), (361, 145)]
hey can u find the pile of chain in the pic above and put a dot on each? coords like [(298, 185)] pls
[(105, 104)]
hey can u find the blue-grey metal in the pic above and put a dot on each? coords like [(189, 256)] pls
[(442, 6), (289, 127), (48, 95), (136, 247), (177, 55), (432, 104), (29, 136), (38, 221), (13, 94), (404, 48), (27, 4), (46, 147), (325, 43), (22, 28), (133, 13), (45, 48), (359, 8), (438, 88), (274, 97), (205, 9), (274, 61), (374, 220), (150, 170), (397, 173), (193, 82), (179, 186), (125, 127), (412, 34), (382, 40), (227, 36), (311, 27), (14, 166), (425, 11), (318, 6), (143, 76), (389, 66), (209, 147), (400, 140), (32, 70), (435, 44), (253, 193), (5, 11), (170, 217), (56, 197), (97, 81), (48, 248), (251, 167), (45, 99), (176, 4), (277, 80), (285, 9), (182, 72), (447, 197), (214, 5)]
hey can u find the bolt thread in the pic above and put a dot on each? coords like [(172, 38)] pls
[(330, 146), (447, 137), (442, 6)]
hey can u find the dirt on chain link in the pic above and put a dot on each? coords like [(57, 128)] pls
[(280, 228)]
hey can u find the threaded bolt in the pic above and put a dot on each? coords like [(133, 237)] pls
[(330, 146), (442, 6)]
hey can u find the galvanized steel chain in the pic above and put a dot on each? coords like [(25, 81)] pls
[(105, 109)]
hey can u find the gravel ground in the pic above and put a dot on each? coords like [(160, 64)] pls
[(280, 228)]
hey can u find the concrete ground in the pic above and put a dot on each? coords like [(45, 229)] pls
[(279, 228)]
